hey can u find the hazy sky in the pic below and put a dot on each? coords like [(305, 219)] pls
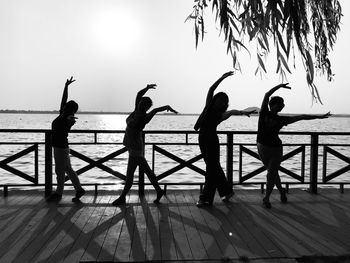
[(115, 47)]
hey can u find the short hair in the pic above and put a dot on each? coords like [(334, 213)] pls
[(276, 100), (145, 103), (71, 106)]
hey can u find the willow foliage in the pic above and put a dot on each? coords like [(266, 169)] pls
[(311, 25)]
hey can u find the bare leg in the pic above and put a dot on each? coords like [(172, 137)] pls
[(132, 164), (150, 174)]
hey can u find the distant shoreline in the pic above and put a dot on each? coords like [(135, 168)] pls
[(118, 113)]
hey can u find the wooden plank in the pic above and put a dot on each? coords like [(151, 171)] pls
[(106, 211), (83, 242), (205, 231), (72, 232), (107, 252), (64, 220), (182, 245), (195, 242)]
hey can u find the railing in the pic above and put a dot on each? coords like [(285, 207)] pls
[(232, 145)]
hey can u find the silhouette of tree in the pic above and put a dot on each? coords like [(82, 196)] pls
[(311, 24)]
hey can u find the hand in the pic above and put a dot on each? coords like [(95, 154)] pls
[(71, 120), (69, 81), (227, 74), (283, 85), (171, 109), (151, 86), (328, 114), (247, 113)]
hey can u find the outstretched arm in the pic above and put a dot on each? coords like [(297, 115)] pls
[(143, 92), (153, 112), (215, 85), (265, 102), (229, 113), (65, 93), (308, 117)]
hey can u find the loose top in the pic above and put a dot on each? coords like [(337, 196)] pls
[(60, 129), (136, 122)]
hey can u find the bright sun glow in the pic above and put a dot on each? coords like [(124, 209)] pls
[(117, 30)]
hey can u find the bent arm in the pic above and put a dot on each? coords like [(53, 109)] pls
[(213, 87), (143, 92), (153, 112), (265, 102), (302, 117)]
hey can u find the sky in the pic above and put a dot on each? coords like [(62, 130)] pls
[(114, 48)]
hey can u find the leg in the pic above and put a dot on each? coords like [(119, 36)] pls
[(72, 175), (60, 157), (152, 178)]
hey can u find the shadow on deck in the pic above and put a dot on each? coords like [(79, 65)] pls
[(309, 228)]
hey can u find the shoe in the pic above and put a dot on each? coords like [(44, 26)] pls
[(54, 197), (227, 198), (119, 201), (284, 198), (78, 194), (267, 203), (159, 196), (202, 203)]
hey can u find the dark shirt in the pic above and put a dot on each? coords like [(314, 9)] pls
[(269, 126), (136, 122), (60, 129), (208, 121)]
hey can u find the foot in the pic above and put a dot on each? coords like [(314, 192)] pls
[(202, 203), (227, 198), (119, 201), (54, 197), (267, 203), (159, 196), (78, 194), (284, 198)]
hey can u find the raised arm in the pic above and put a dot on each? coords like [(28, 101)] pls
[(265, 102), (230, 113), (143, 92), (213, 87), (65, 93), (153, 112), (301, 117)]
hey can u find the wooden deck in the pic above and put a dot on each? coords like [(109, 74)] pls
[(175, 230)]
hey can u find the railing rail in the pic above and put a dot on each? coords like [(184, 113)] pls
[(227, 139)]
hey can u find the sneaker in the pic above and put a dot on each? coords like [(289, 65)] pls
[(202, 203), (284, 198), (227, 198), (54, 197), (267, 203), (159, 196), (119, 201), (78, 194)]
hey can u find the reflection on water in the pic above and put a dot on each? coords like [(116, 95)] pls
[(162, 163)]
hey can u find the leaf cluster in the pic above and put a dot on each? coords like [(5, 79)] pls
[(309, 25)]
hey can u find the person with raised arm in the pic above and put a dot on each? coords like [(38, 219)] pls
[(269, 144), (60, 128), (214, 112), (133, 141)]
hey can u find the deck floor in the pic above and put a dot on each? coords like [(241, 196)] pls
[(32, 230)]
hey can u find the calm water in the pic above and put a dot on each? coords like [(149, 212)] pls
[(161, 122)]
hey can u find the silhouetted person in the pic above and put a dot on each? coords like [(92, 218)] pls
[(268, 142), (60, 128), (214, 112), (133, 141)]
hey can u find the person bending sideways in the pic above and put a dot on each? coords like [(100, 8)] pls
[(133, 141), (268, 142), (214, 112), (60, 128)]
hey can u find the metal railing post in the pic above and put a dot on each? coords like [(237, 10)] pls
[(142, 175), (229, 159), (313, 163), (48, 163)]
